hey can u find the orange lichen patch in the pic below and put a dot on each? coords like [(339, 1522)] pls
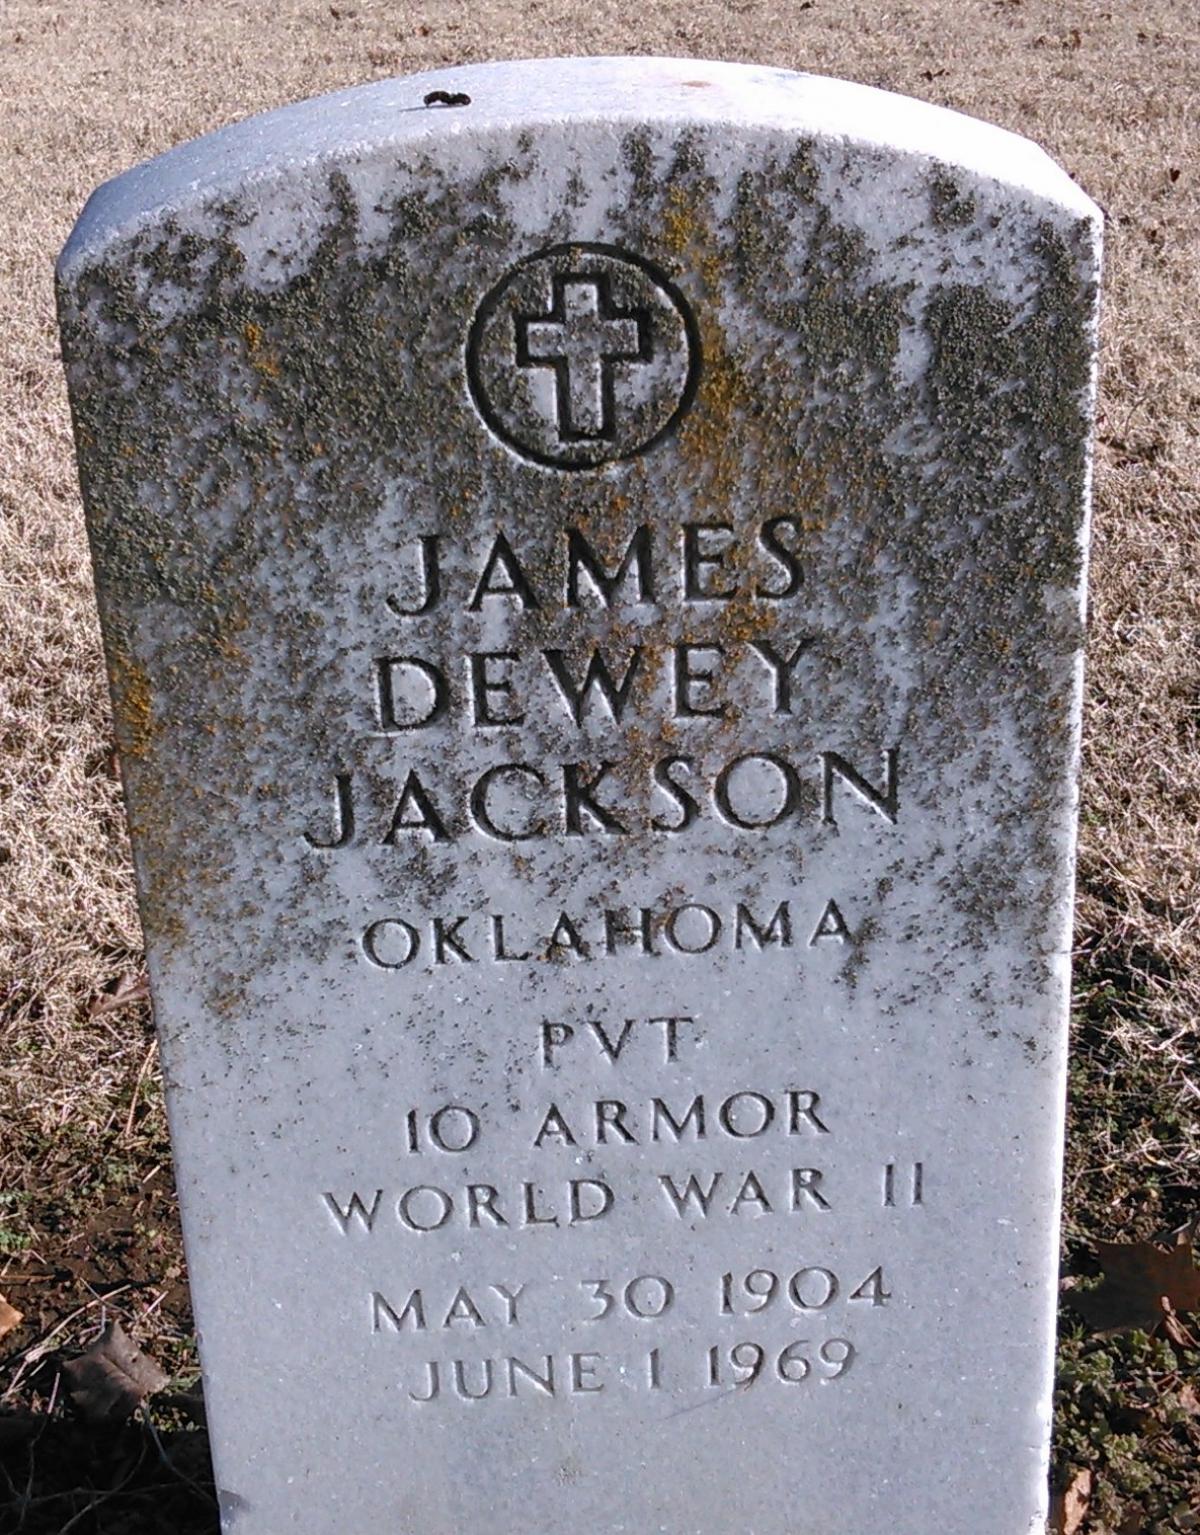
[(682, 223), (231, 651), (263, 361), (134, 704), (736, 452), (709, 438), (234, 621), (711, 435)]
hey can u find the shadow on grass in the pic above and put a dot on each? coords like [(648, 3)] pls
[(62, 1476)]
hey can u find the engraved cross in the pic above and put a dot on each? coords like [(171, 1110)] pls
[(581, 338)]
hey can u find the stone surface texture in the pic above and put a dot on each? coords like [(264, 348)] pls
[(766, 397)]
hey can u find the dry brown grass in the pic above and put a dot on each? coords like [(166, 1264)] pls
[(87, 90)]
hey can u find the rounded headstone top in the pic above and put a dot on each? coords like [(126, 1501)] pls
[(480, 97)]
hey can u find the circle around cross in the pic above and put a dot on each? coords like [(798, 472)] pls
[(582, 355)]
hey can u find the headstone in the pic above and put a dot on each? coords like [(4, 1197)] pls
[(590, 555)]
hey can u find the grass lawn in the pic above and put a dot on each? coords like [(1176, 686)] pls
[(88, 1227)]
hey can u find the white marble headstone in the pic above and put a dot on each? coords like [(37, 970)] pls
[(591, 561)]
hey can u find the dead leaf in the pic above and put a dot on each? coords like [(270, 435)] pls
[(1071, 1505), (112, 1378), (130, 988), (1173, 1330), (1142, 1285), (10, 1317)]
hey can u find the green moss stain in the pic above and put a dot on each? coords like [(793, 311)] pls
[(951, 207), (232, 453)]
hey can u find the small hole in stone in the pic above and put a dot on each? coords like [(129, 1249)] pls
[(447, 99)]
